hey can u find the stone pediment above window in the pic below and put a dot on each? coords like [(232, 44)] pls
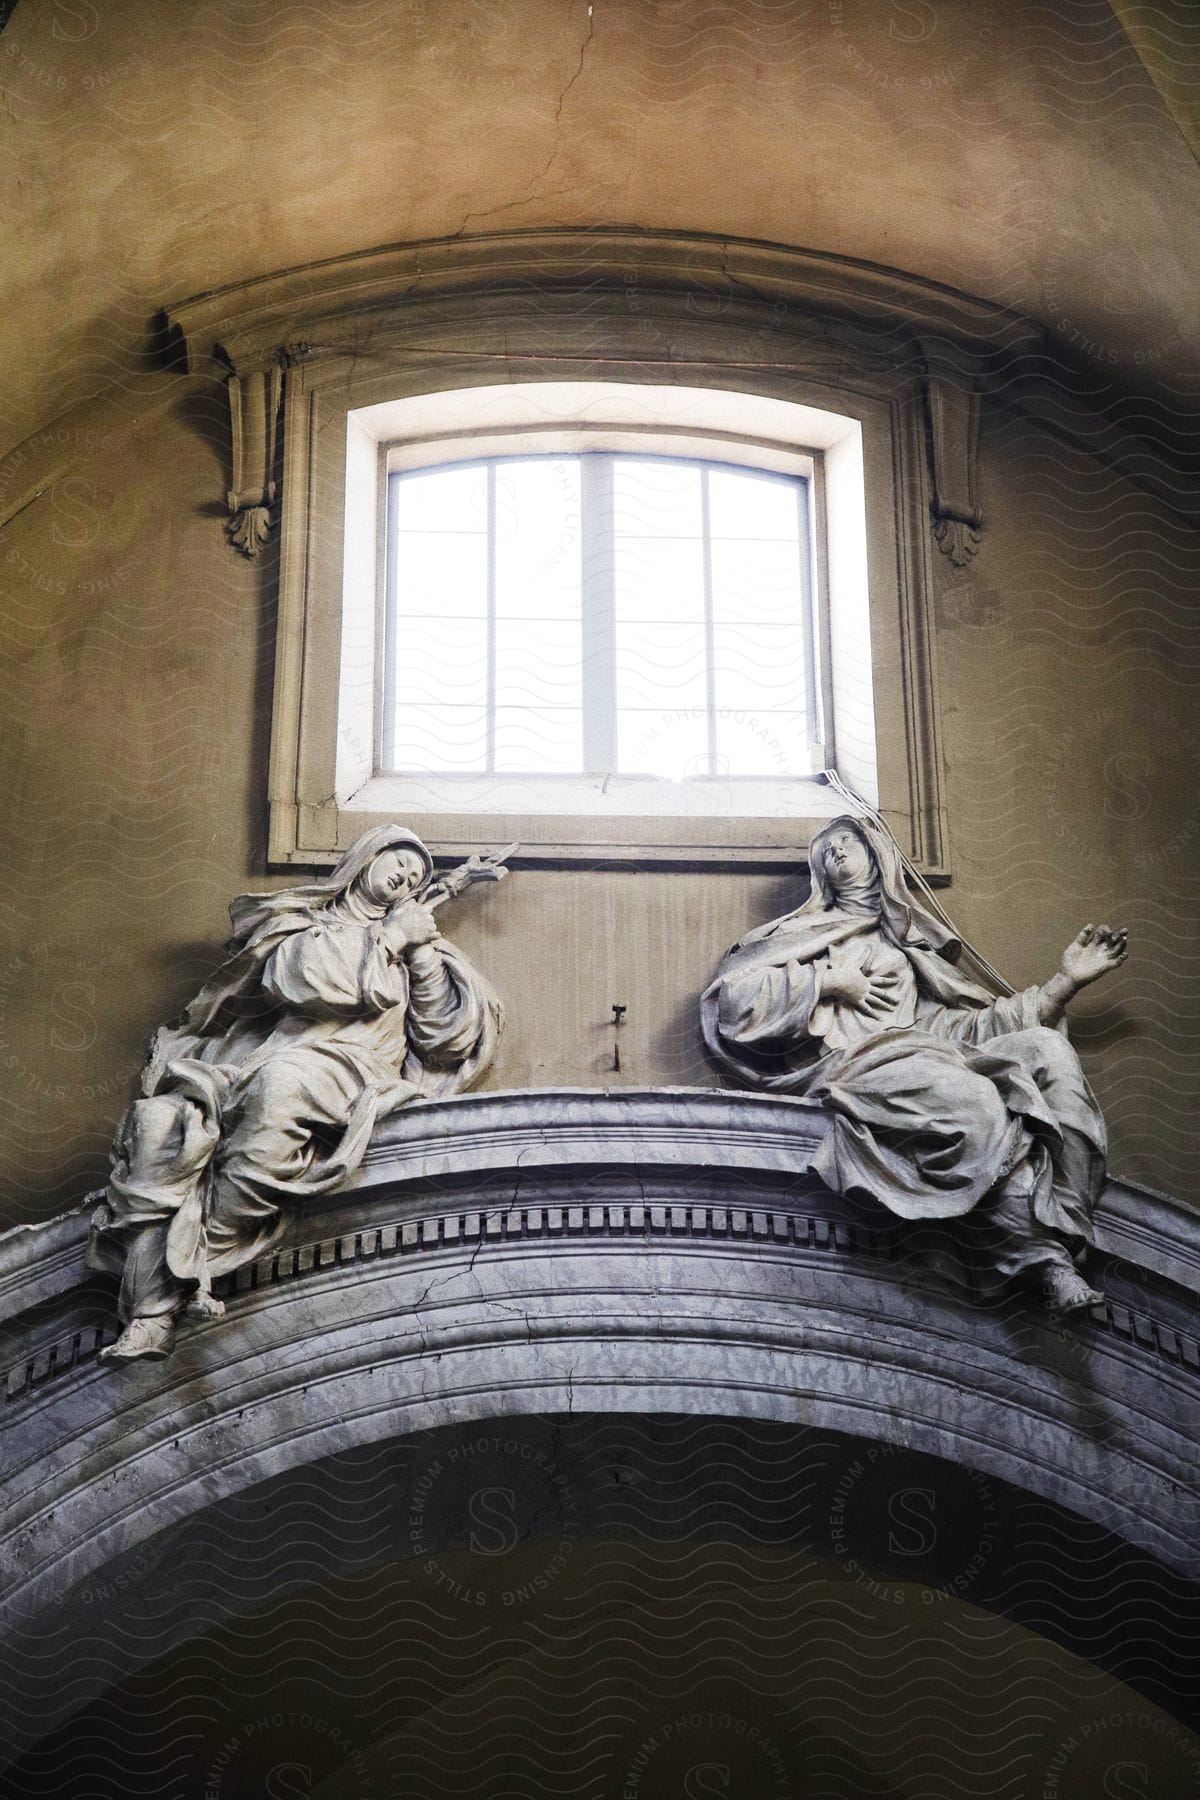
[(861, 381)]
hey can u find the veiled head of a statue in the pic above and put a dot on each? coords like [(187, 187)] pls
[(391, 876), (846, 857)]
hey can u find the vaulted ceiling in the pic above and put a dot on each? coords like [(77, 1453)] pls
[(1035, 154)]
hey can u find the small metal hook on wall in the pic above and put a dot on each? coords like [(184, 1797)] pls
[(618, 1013)]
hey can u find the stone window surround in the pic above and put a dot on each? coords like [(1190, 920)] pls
[(907, 360), (324, 789)]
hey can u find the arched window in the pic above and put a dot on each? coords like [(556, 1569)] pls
[(597, 614), (605, 613)]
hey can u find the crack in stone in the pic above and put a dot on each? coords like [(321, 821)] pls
[(534, 180), (583, 50)]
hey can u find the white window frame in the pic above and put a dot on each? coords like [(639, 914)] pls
[(910, 360), (608, 792)]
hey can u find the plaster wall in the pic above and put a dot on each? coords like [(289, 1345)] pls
[(137, 664), (1023, 152), (1018, 149)]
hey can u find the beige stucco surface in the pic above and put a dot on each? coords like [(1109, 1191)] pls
[(154, 151), (138, 653)]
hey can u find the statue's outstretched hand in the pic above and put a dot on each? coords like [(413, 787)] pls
[(1096, 950)]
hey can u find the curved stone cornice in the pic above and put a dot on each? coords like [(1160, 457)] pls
[(595, 1128), (853, 313), (653, 1250), (329, 305)]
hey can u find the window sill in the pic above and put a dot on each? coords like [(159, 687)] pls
[(597, 797), (570, 819)]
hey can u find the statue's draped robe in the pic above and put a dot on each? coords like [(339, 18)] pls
[(270, 1089), (951, 1096)]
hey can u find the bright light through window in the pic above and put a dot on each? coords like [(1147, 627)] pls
[(563, 615)]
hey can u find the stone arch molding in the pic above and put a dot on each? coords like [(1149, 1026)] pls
[(576, 1250)]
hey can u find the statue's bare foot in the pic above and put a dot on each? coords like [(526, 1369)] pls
[(1066, 1291), (203, 1306), (143, 1337)]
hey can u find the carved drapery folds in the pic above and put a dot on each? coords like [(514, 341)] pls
[(341, 1003), (855, 998)]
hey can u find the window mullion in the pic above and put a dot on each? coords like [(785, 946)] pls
[(598, 609), (490, 756), (814, 640), (385, 745), (710, 651)]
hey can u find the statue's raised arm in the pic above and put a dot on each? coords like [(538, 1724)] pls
[(947, 1101), (340, 1002)]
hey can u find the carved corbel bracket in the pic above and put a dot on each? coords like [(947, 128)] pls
[(952, 401), (256, 330), (254, 402)]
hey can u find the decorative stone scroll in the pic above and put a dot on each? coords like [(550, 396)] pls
[(817, 312), (951, 1103), (952, 402), (254, 406), (340, 1002)]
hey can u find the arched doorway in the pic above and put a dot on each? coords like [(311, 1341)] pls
[(602, 1605)]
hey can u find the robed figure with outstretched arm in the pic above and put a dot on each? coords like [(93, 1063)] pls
[(339, 1003), (946, 1100)]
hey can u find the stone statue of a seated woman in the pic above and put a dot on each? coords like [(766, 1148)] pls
[(946, 1100), (340, 1002)]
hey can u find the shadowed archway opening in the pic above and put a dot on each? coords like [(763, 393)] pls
[(609, 1605)]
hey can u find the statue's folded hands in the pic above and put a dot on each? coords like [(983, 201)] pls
[(408, 926)]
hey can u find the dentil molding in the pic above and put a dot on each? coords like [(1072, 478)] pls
[(588, 1250)]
